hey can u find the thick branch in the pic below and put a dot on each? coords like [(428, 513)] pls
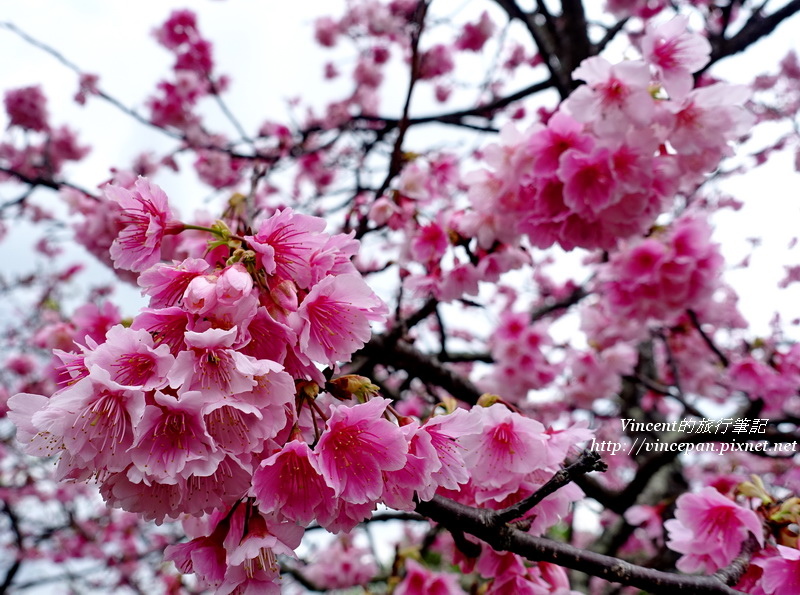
[(484, 524), (544, 43), (756, 27), (734, 571), (573, 40), (401, 355)]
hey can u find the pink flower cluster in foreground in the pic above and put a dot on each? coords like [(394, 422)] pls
[(208, 403)]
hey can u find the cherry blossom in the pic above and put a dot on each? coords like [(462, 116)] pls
[(709, 530), (146, 219)]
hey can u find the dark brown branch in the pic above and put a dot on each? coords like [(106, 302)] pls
[(40, 181), (396, 160), (465, 357), (484, 524), (573, 38), (733, 572), (573, 298), (485, 110), (706, 339), (611, 33), (15, 566), (401, 355), (756, 27), (587, 462), (544, 43), (594, 489), (402, 327)]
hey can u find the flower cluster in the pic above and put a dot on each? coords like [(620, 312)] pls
[(341, 565), (519, 350), (604, 165), (209, 402), (658, 278), (46, 148), (27, 108)]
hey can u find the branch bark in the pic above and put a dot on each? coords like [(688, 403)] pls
[(485, 525), (401, 355), (756, 27)]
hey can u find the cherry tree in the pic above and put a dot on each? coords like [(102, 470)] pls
[(472, 316)]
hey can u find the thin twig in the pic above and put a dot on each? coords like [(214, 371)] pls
[(711, 345)]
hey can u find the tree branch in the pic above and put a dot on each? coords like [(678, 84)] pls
[(711, 345), (544, 43), (756, 27), (587, 462), (396, 160), (485, 110), (485, 525), (401, 355)]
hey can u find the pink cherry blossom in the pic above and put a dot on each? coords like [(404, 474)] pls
[(333, 320), (781, 573), (341, 565), (421, 581), (414, 478), (172, 439), (675, 53), (167, 283), (508, 447), (211, 365), (178, 29), (709, 529), (42, 436), (615, 95), (147, 218), (709, 118), (290, 482), (167, 326), (27, 108), (589, 183), (447, 433), (130, 361), (203, 556), (268, 338), (348, 516), (356, 446), (238, 427), (562, 133), (200, 296), (259, 539), (92, 321), (430, 243), (435, 62), (285, 243), (474, 35)]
